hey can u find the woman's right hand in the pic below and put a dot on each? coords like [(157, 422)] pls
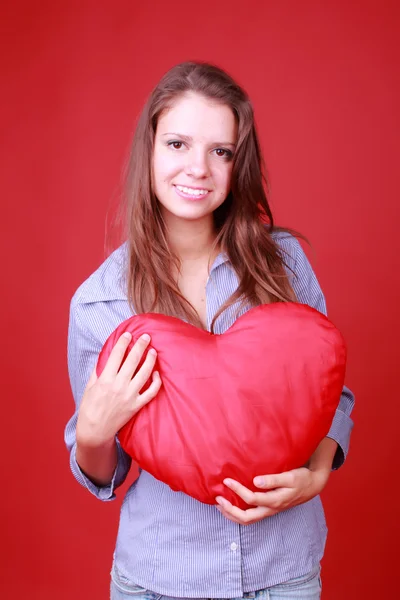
[(111, 400)]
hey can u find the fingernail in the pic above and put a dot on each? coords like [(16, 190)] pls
[(127, 335), (152, 351), (259, 481), (221, 501), (145, 337), (228, 482)]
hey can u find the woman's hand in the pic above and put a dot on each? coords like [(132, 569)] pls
[(111, 400), (286, 490)]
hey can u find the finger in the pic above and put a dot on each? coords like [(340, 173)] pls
[(251, 498), (116, 356), (286, 479), (244, 516), (131, 362), (274, 499), (279, 499), (227, 515), (151, 391), (144, 372)]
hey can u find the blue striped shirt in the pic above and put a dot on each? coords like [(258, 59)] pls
[(167, 541)]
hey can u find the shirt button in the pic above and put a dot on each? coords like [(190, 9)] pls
[(234, 546)]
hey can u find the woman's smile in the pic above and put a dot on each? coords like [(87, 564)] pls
[(191, 193)]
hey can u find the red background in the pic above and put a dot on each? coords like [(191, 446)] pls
[(324, 81)]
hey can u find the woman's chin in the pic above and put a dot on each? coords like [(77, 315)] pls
[(191, 214)]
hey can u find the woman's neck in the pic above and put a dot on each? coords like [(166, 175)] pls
[(191, 240)]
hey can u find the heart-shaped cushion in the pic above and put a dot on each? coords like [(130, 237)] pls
[(255, 400)]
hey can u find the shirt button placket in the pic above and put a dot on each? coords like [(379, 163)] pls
[(235, 567)]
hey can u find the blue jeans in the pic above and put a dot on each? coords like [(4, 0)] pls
[(307, 587)]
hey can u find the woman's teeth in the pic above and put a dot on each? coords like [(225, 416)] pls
[(191, 191)]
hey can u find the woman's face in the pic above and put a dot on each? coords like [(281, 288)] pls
[(192, 160)]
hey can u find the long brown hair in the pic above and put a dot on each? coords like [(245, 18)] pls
[(240, 222)]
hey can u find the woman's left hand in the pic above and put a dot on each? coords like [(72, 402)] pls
[(285, 491)]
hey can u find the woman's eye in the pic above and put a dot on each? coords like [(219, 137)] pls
[(223, 153), (176, 145)]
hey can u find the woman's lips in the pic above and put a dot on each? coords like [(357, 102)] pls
[(187, 196)]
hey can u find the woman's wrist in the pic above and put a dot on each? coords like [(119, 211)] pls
[(94, 441), (322, 459), (97, 462)]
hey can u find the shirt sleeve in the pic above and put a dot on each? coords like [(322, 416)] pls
[(83, 351), (308, 291)]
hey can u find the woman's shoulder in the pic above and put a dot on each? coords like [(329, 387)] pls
[(289, 247), (299, 270), (107, 282)]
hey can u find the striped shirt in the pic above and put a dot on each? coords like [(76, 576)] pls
[(167, 541)]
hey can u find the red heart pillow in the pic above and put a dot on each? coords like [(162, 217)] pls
[(257, 399)]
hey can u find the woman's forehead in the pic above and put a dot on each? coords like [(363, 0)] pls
[(196, 117)]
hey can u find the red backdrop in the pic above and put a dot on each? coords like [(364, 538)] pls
[(323, 79)]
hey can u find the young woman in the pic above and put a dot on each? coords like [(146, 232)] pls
[(202, 246)]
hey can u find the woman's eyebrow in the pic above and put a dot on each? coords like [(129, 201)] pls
[(188, 138)]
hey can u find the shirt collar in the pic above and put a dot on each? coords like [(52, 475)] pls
[(109, 282), (220, 259)]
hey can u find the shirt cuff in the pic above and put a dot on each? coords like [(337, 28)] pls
[(340, 431), (104, 493)]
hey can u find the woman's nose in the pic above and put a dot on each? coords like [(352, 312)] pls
[(197, 164)]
